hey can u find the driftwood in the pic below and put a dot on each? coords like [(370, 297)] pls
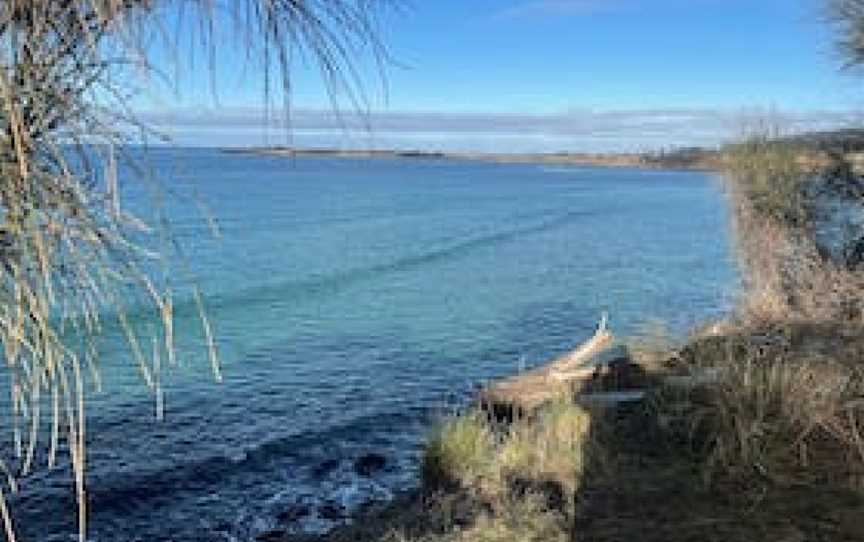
[(597, 373), (527, 391)]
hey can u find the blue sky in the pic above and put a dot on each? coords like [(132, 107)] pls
[(550, 75)]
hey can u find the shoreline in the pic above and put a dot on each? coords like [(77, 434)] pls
[(694, 159)]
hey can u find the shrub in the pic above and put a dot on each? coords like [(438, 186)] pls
[(773, 186), (769, 174), (460, 452)]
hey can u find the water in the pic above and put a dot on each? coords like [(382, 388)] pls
[(355, 300)]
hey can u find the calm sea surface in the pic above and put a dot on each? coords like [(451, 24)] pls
[(353, 302)]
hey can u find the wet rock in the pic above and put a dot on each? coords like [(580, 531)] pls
[(276, 535), (368, 464), (332, 511), (325, 467), (551, 491), (294, 513)]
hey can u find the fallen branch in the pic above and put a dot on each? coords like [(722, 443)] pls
[(528, 390)]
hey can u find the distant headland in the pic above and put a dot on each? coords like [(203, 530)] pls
[(690, 158)]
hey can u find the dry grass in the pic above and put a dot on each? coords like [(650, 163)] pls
[(524, 476), (468, 451), (459, 452), (775, 398), (785, 274), (553, 448), (651, 346), (785, 404), (768, 173), (787, 278), (772, 409)]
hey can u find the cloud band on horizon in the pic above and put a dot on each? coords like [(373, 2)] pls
[(589, 130)]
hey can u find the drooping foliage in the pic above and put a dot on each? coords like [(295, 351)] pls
[(69, 251)]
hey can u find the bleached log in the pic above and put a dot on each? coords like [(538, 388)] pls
[(528, 390)]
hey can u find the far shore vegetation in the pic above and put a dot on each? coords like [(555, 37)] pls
[(814, 150), (695, 158)]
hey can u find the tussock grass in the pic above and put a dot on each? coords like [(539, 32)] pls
[(774, 397), (786, 276), (459, 452), (769, 174), (553, 448), (468, 451), (784, 405), (523, 477)]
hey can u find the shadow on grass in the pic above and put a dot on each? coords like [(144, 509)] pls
[(643, 476)]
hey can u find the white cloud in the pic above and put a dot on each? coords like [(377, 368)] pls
[(576, 130), (540, 8)]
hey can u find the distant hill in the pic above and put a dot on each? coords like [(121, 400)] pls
[(682, 158)]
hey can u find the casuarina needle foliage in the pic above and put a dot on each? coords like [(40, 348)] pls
[(69, 252)]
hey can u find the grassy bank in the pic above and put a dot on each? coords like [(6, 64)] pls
[(768, 451)]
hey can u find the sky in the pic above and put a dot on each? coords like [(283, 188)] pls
[(541, 75)]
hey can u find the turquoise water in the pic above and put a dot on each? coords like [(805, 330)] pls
[(354, 301)]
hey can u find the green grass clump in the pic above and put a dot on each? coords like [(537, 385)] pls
[(459, 452), (544, 455), (519, 480), (550, 449)]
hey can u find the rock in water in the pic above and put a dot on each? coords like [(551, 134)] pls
[(332, 511), (294, 513), (325, 467), (368, 464)]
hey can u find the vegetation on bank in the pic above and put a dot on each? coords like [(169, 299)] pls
[(688, 158)]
